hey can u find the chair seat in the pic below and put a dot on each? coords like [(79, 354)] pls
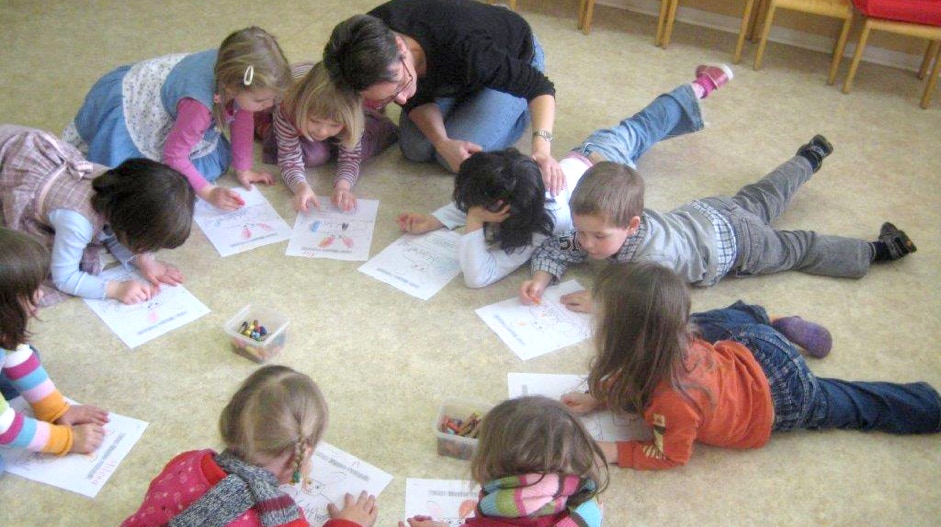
[(926, 12)]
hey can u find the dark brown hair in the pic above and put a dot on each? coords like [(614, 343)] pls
[(24, 265), (609, 190), (537, 435), (642, 335), (148, 204)]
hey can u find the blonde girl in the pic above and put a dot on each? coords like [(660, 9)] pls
[(175, 109), (315, 123), (270, 429), (537, 466), (725, 377), (59, 427)]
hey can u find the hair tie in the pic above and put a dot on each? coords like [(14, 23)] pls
[(249, 75)]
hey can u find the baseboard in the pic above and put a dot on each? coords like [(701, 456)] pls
[(791, 37)]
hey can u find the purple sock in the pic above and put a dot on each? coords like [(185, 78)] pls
[(812, 337)]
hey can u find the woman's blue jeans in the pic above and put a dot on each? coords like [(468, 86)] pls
[(492, 119), (802, 400)]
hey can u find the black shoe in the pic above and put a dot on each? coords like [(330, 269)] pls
[(815, 151), (898, 243)]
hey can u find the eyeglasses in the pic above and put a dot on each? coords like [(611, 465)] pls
[(407, 78)]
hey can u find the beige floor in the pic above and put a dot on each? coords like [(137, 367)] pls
[(385, 360)]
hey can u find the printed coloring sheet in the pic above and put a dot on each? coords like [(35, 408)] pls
[(446, 500), (333, 473), (138, 323), (420, 265), (531, 331), (84, 474), (603, 425), (253, 225), (332, 233)]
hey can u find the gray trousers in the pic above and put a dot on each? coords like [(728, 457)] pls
[(763, 249)]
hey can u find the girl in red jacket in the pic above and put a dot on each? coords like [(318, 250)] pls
[(270, 428), (537, 467), (727, 377)]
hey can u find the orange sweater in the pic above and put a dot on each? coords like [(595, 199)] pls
[(739, 413)]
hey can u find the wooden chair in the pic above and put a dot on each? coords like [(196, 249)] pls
[(668, 17), (586, 9), (841, 9), (914, 18)]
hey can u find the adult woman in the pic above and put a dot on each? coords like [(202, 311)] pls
[(468, 77)]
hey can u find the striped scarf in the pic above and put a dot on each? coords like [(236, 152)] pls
[(533, 495), (247, 486)]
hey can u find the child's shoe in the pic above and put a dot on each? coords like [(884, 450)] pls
[(812, 337), (710, 77), (896, 241), (815, 151)]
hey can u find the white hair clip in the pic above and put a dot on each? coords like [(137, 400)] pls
[(249, 75)]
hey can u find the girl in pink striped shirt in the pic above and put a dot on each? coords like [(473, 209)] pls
[(58, 428), (315, 123)]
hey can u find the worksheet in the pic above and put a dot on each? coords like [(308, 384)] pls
[(84, 474), (531, 331), (420, 265), (135, 324), (329, 232), (253, 225), (446, 500), (333, 473), (603, 425)]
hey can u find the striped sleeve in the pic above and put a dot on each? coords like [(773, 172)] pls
[(290, 155), (23, 369), (348, 163)]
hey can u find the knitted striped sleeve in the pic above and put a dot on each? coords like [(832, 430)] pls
[(23, 369)]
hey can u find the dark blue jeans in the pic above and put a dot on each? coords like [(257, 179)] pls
[(802, 400)]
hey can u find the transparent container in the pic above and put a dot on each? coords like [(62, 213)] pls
[(452, 444), (258, 350)]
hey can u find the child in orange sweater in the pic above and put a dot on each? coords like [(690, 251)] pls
[(731, 384)]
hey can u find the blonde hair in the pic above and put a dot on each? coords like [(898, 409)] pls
[(609, 190), (317, 97), (642, 336), (537, 435), (276, 409), (249, 59)]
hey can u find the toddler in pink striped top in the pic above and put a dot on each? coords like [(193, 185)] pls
[(316, 123)]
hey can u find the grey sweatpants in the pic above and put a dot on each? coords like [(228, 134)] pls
[(762, 249)]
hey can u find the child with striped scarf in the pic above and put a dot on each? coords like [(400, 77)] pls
[(537, 467)]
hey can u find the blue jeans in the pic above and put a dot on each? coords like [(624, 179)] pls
[(492, 119), (669, 115), (802, 400)]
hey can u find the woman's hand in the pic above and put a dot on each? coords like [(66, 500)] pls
[(362, 510), (552, 174), (455, 151)]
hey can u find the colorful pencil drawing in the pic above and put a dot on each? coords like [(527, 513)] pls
[(254, 224), (334, 234)]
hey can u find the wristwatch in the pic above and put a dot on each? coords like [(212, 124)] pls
[(543, 134)]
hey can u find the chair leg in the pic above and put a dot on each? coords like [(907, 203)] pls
[(933, 79), (930, 52), (585, 12), (765, 30), (742, 32), (755, 32), (838, 51), (662, 21), (863, 37), (671, 18)]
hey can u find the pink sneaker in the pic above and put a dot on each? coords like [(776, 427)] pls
[(718, 75)]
